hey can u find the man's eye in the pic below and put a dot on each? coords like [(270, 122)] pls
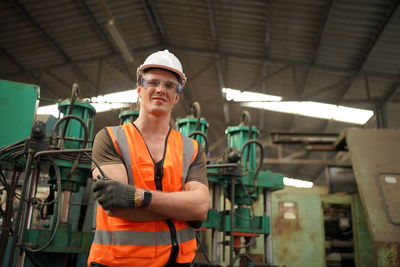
[(169, 85), (153, 83)]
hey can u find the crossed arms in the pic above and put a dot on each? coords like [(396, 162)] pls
[(191, 204)]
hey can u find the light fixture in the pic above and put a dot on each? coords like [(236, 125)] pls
[(101, 103), (304, 108), (239, 96), (316, 110), (297, 182)]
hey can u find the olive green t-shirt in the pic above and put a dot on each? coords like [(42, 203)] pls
[(104, 153)]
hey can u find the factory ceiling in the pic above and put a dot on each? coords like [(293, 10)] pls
[(342, 52)]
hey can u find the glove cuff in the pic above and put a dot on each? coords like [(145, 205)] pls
[(128, 196)]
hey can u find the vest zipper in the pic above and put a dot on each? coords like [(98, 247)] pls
[(158, 175)]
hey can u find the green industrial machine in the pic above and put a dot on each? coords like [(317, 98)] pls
[(314, 228), (56, 230), (236, 181), (128, 116), (355, 226), (17, 117), (194, 125), (375, 158)]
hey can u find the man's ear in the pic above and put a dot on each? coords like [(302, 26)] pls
[(176, 98)]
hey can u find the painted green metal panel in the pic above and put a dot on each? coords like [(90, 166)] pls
[(375, 157), (128, 116), (297, 230), (373, 153), (364, 256), (17, 110), (188, 125)]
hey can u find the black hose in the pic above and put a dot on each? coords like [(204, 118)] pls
[(97, 165), (195, 133), (255, 180), (69, 117), (21, 209), (65, 151), (13, 145), (74, 97), (85, 140), (59, 199), (7, 219)]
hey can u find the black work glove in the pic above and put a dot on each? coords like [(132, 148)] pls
[(113, 194)]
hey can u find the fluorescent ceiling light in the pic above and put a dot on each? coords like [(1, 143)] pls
[(297, 182), (304, 108), (239, 96), (101, 103), (316, 110)]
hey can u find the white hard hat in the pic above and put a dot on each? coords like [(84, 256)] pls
[(164, 60)]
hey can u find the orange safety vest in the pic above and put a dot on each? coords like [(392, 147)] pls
[(120, 242)]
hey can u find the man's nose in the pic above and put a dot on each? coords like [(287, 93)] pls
[(161, 87)]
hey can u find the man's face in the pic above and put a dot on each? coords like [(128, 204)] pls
[(158, 92)]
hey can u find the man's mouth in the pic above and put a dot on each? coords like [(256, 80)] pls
[(159, 99)]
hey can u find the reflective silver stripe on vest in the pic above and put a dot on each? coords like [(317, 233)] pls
[(188, 149), (135, 238), (120, 137)]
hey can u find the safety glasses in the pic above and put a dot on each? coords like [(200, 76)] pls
[(168, 84)]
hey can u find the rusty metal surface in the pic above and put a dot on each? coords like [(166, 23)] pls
[(388, 254), (297, 230), (373, 153)]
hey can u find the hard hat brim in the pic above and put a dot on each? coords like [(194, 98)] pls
[(179, 73)]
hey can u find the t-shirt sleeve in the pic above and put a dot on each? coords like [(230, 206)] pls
[(198, 169), (104, 152)]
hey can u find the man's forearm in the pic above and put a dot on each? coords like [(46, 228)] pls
[(191, 205), (135, 214)]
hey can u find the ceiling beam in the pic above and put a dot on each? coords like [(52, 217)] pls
[(38, 27), (155, 20), (348, 80), (317, 44), (273, 61), (260, 59), (75, 68), (31, 76), (221, 59), (99, 30), (146, 49), (12, 59)]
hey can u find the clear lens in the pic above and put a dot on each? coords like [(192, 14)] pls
[(153, 83)]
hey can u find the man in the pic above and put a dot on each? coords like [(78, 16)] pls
[(156, 179)]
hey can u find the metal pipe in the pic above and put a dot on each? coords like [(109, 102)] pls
[(215, 253), (19, 220), (27, 216), (232, 219), (64, 205), (31, 194), (268, 238), (223, 165), (65, 151)]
